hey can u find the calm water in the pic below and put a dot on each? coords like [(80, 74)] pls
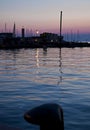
[(31, 77)]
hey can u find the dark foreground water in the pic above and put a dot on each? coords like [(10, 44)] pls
[(31, 77)]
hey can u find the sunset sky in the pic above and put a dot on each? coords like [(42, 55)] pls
[(43, 15)]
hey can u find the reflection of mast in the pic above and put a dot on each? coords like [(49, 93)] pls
[(44, 51), (60, 66), (37, 58)]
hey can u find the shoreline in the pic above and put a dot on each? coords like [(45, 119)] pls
[(21, 45)]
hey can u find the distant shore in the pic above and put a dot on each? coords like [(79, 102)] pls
[(26, 44), (45, 40)]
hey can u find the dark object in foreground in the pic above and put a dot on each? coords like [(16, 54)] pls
[(48, 116)]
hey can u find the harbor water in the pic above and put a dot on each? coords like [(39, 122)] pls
[(31, 77)]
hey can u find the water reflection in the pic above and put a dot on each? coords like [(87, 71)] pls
[(44, 51), (29, 77), (8, 60), (35, 63), (60, 66), (37, 58), (44, 63)]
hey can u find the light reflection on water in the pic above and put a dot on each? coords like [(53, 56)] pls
[(30, 77)]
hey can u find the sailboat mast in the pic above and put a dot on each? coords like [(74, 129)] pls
[(60, 24)]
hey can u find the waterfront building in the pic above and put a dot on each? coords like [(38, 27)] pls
[(49, 37), (6, 35)]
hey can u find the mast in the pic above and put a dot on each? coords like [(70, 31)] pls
[(5, 27), (60, 24), (14, 30)]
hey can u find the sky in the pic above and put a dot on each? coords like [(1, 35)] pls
[(43, 15)]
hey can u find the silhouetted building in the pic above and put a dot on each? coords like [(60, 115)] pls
[(6, 35), (49, 37)]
